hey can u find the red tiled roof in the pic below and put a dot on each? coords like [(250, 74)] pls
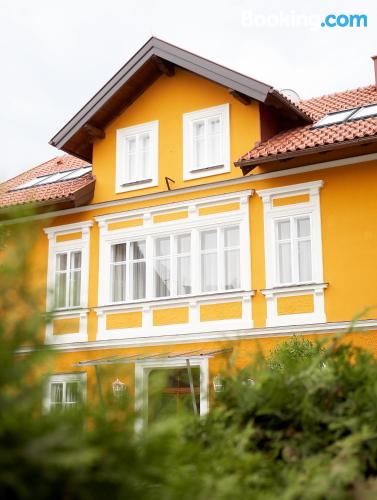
[(306, 137), (10, 195)]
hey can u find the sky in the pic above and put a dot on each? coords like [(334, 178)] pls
[(56, 54)]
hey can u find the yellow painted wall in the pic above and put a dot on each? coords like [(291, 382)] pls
[(124, 320), (348, 211), (295, 304), (166, 101), (216, 209), (170, 316), (65, 325), (217, 312)]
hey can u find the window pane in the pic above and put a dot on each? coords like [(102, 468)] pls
[(138, 273), (119, 252), (131, 158), (209, 272), (208, 240), (60, 289), (76, 260), (162, 278), (285, 265), (183, 243), (304, 261), (183, 275), (118, 282), (72, 392), (232, 236), (284, 229), (303, 227), (162, 246), (199, 144), (145, 144), (214, 141), (137, 250), (232, 269), (56, 394), (75, 288), (61, 262)]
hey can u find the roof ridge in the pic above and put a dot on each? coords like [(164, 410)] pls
[(334, 94)]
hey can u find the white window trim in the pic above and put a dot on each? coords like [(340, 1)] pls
[(123, 185), (142, 370), (80, 311), (316, 286), (148, 230), (64, 378), (188, 171)]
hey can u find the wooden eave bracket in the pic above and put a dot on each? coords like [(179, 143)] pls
[(166, 67), (244, 99)]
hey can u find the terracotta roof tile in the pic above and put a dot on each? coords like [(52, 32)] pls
[(10, 195), (305, 137)]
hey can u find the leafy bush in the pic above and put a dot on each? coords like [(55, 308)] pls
[(304, 428)]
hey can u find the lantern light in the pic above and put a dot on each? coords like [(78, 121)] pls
[(218, 383), (119, 387)]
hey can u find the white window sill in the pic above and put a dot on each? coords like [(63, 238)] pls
[(203, 169), (180, 299), (134, 185), (294, 287), (68, 311)]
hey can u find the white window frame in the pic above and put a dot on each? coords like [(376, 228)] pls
[(274, 289), (123, 182), (55, 247), (64, 378), (189, 169), (68, 273), (105, 296)]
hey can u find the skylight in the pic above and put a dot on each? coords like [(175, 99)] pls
[(332, 118), (347, 115), (57, 177)]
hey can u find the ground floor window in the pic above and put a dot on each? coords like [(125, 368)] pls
[(65, 391)]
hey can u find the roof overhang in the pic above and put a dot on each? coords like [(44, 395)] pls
[(340, 150), (155, 58), (79, 198)]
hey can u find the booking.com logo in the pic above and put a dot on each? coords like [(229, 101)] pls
[(345, 21)]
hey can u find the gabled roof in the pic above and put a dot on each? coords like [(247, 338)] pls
[(308, 139), (155, 58), (64, 193)]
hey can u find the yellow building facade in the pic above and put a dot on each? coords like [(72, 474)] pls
[(191, 251)]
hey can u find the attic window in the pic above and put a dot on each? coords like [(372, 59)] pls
[(137, 157), (347, 115), (56, 177)]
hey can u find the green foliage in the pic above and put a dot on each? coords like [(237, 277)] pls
[(305, 429)]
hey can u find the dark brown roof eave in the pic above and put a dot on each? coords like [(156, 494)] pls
[(244, 164), (80, 197)]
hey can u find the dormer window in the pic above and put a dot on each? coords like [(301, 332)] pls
[(206, 142), (137, 157)]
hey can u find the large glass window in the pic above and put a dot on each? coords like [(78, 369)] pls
[(68, 279), (166, 266), (207, 144)]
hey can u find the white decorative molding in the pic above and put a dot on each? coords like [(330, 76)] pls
[(317, 316), (216, 336), (55, 247), (274, 289), (194, 324)]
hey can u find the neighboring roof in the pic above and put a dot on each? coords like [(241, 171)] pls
[(72, 192), (155, 58), (307, 139)]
